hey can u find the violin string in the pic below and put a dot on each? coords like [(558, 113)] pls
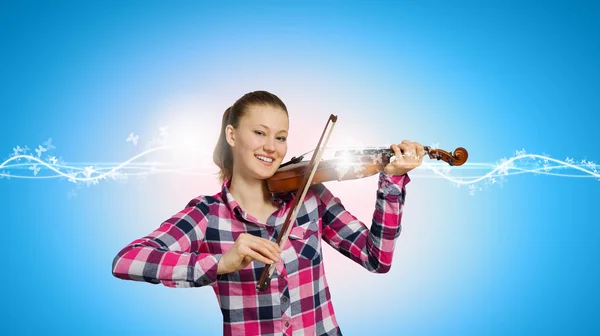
[(347, 149)]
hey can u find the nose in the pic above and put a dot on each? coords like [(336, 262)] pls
[(269, 145)]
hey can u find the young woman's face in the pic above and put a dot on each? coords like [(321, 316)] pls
[(259, 144)]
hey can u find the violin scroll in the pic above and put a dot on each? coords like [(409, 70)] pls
[(458, 158)]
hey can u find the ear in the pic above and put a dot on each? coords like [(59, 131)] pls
[(230, 135)]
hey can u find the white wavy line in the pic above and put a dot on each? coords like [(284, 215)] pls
[(516, 173), (87, 178), (506, 165), (24, 166), (154, 171)]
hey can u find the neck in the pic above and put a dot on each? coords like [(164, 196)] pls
[(251, 194)]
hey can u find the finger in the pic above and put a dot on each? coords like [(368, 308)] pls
[(401, 150), (260, 245), (415, 152), (396, 150), (409, 151), (405, 145), (421, 150), (251, 238), (272, 246), (248, 251), (263, 248), (257, 256)]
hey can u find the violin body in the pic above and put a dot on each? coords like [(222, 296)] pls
[(290, 177)]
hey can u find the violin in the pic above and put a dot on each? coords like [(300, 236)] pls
[(298, 175), (349, 165)]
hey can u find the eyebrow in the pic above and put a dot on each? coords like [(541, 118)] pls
[(267, 127)]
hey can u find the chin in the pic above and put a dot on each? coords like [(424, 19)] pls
[(264, 174)]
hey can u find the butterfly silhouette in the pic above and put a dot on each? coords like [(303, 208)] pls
[(35, 169), (88, 171), (52, 159), (133, 138), (25, 151), (17, 150), (48, 144), (40, 150), (72, 194), (72, 175)]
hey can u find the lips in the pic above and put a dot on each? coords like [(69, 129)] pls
[(264, 159)]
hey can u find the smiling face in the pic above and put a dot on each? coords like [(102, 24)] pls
[(259, 143)]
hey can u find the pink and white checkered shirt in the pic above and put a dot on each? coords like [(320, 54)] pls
[(185, 251)]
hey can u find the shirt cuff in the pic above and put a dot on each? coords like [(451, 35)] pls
[(207, 268), (392, 184)]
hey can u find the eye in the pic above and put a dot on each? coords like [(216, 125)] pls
[(259, 132), (282, 139)]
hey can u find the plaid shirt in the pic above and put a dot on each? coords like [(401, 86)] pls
[(185, 251)]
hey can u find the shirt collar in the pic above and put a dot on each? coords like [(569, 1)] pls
[(226, 196)]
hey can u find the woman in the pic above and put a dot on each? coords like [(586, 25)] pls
[(225, 240)]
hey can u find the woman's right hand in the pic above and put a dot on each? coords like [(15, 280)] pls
[(245, 249)]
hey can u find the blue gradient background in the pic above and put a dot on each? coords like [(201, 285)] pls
[(520, 259)]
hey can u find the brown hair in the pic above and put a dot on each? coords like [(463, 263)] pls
[(222, 155)]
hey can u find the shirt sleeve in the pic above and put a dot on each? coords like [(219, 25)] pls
[(174, 254), (372, 248)]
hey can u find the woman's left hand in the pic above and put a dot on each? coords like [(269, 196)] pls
[(411, 159)]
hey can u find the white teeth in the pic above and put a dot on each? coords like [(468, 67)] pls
[(266, 159)]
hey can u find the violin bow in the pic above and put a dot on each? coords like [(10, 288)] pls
[(267, 273)]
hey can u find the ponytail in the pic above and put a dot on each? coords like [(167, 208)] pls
[(222, 155)]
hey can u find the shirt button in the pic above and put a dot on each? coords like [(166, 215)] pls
[(281, 275), (287, 324), (284, 299)]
